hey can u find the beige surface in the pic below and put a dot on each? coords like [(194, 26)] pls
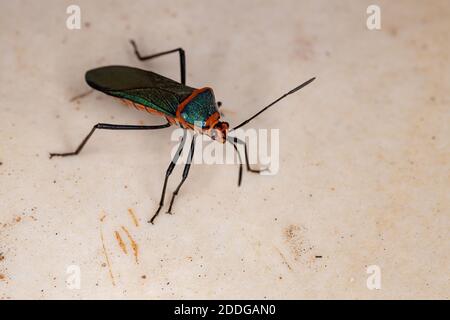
[(365, 156)]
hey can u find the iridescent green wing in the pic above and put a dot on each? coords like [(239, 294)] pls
[(140, 86)]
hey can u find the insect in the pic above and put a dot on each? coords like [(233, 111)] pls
[(181, 105)]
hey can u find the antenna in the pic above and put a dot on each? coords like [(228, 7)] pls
[(304, 84)]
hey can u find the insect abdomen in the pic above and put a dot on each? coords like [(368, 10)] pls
[(141, 107)]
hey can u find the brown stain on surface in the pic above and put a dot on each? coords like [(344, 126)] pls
[(16, 220), (133, 217), (291, 232), (134, 245), (301, 248), (105, 252), (81, 95), (304, 47), (120, 241), (284, 259), (294, 236)]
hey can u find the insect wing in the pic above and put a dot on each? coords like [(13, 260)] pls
[(140, 86)]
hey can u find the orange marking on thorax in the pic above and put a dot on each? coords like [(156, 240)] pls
[(183, 104), (210, 122)]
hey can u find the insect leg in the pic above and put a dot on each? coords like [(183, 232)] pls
[(240, 161), (110, 127), (185, 174), (180, 51), (168, 173), (247, 162)]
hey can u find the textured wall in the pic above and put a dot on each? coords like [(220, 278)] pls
[(364, 152)]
